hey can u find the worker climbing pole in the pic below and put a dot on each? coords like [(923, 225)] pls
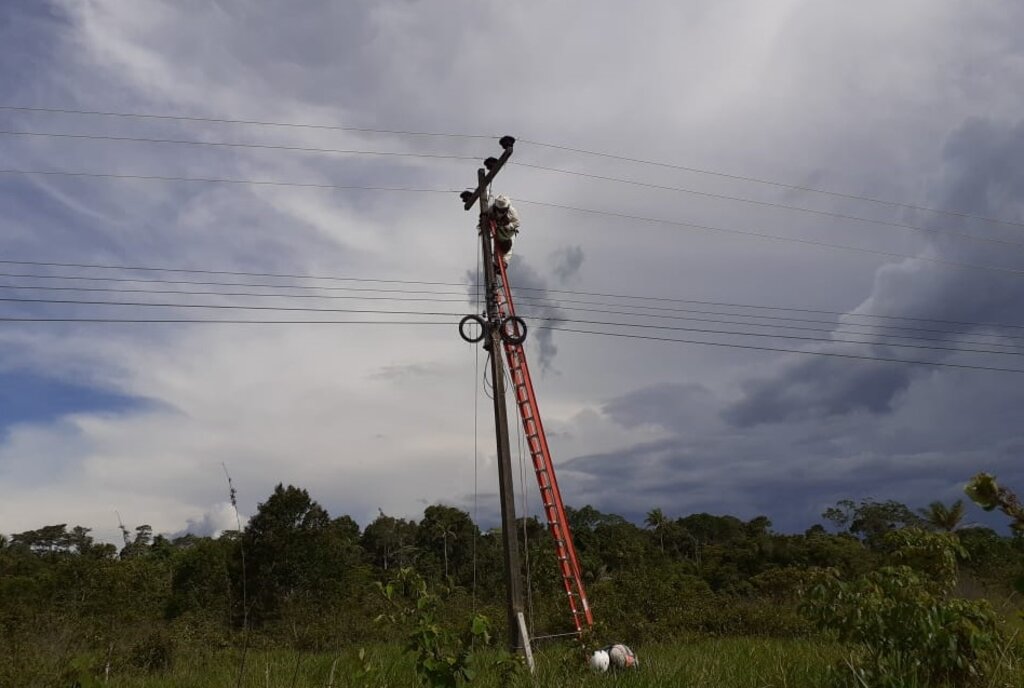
[(500, 328)]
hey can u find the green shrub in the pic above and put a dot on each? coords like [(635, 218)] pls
[(911, 630)]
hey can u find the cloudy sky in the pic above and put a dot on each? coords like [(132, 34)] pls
[(917, 103)]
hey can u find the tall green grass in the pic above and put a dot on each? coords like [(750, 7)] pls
[(703, 663), (725, 663)]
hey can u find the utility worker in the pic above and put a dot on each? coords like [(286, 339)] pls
[(506, 226)]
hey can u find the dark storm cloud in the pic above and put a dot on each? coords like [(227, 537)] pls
[(818, 388), (791, 471), (668, 405), (981, 176), (819, 429)]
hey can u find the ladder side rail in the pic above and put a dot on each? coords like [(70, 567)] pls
[(514, 352), (537, 420)]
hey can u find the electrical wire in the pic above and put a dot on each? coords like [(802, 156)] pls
[(222, 180), (776, 184), (226, 144), (729, 345), (592, 211), (336, 278), (438, 156), (773, 237), (560, 305), (222, 120), (521, 141), (780, 206)]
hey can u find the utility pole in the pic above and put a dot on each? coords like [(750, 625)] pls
[(518, 640)]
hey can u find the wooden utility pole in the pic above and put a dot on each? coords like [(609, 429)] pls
[(518, 641)]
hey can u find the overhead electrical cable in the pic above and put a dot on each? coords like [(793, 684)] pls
[(780, 206), (592, 211), (522, 141), (349, 151), (261, 123), (773, 237), (225, 144), (222, 180), (303, 309), (777, 184), (783, 350), (626, 335), (531, 303), (337, 278)]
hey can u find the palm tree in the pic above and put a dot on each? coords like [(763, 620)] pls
[(941, 517), (657, 520), (445, 530)]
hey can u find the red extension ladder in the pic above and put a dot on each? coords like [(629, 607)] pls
[(554, 509)]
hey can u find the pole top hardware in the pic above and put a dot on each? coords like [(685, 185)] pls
[(507, 142)]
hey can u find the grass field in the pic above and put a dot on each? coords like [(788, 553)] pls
[(717, 663)]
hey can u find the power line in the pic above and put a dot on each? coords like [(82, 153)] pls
[(780, 206), (222, 120), (528, 301), (939, 364), (424, 296), (348, 151), (592, 211), (773, 237), (690, 225), (769, 182), (784, 350), (783, 336), (220, 321), (337, 278), (541, 144), (303, 309), (222, 180), (676, 223), (224, 144)]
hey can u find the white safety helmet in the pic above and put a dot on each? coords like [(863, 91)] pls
[(502, 202), (599, 661)]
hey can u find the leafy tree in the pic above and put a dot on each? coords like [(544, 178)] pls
[(139, 546), (292, 548), (871, 519), (390, 541), (448, 532), (53, 539)]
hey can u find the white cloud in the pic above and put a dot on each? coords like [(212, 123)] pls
[(823, 93)]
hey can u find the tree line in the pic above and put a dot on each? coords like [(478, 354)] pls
[(300, 577)]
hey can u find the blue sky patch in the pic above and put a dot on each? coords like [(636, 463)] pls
[(29, 398)]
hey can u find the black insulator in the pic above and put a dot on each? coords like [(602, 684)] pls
[(507, 142)]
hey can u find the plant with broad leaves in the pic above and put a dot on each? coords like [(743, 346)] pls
[(911, 629), (443, 657)]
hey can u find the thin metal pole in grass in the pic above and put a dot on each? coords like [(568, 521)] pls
[(233, 495)]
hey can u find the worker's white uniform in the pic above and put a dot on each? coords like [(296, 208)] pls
[(506, 225)]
